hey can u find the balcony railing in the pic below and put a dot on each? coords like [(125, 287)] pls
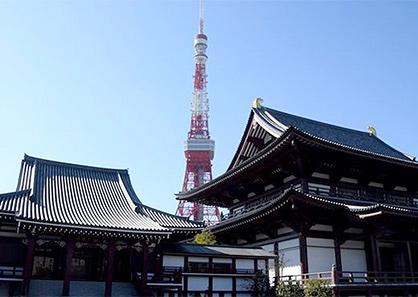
[(354, 278), (332, 190), (11, 273), (167, 270)]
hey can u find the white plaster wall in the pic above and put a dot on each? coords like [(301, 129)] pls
[(353, 256), (321, 254), (245, 263), (290, 256), (261, 265), (243, 284), (199, 259), (198, 283), (222, 284), (222, 260), (271, 265), (177, 261)]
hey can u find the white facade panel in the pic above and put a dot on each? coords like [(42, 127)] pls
[(289, 256), (289, 243), (198, 283), (199, 259), (222, 260), (353, 244), (353, 260), (176, 261), (320, 242), (261, 265), (222, 284), (245, 263), (320, 259)]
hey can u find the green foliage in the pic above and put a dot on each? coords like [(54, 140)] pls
[(289, 289), (205, 237), (259, 285), (317, 288), (310, 288)]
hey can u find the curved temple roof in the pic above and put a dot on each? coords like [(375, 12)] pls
[(75, 196), (339, 135), (276, 126)]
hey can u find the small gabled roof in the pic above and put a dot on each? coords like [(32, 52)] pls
[(63, 195), (220, 251)]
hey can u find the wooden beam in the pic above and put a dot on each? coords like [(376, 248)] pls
[(27, 271), (68, 267)]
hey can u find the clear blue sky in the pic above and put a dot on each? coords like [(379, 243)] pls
[(109, 83)]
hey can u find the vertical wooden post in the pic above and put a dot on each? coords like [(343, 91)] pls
[(185, 277), (210, 285), (234, 278), (337, 249), (410, 260), (303, 251), (109, 269), (375, 253), (27, 272), (67, 267), (144, 271)]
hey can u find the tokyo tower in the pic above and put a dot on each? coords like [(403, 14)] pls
[(199, 148)]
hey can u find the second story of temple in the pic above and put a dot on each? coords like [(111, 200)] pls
[(281, 152)]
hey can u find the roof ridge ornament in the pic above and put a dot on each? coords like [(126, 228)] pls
[(372, 131), (257, 103)]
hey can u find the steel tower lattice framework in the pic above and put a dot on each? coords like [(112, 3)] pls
[(199, 148)]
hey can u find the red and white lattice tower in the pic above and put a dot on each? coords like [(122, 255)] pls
[(199, 148)]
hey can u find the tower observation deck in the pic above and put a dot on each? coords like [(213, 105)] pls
[(199, 148)]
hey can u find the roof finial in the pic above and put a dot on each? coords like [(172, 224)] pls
[(257, 102), (372, 131)]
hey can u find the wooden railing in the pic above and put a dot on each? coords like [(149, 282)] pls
[(333, 190), (342, 278), (8, 272), (215, 270)]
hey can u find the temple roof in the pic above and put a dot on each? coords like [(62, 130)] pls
[(217, 251), (268, 131), (339, 135), (57, 194)]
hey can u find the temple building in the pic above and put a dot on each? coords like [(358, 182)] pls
[(330, 202), (68, 223), (75, 230)]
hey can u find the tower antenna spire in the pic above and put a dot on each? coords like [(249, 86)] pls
[(201, 17)]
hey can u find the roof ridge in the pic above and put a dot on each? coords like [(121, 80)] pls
[(318, 122), (2, 195), (169, 214), (74, 165)]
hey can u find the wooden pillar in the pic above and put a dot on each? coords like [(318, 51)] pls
[(67, 267), (144, 271), (185, 277), (210, 285), (410, 260), (234, 278), (27, 271), (303, 251), (110, 255), (337, 249), (375, 252)]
